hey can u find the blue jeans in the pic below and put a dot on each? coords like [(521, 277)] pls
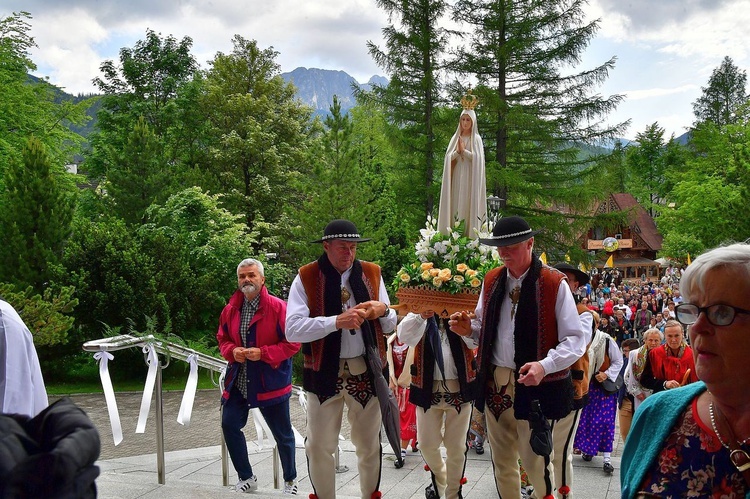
[(234, 418)]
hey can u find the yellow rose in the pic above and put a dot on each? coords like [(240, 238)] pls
[(445, 274), (470, 273), (405, 277), (426, 275), (475, 283), (458, 278), (462, 267), (437, 282), (434, 272), (426, 265)]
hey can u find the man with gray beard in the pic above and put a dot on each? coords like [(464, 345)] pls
[(252, 338)]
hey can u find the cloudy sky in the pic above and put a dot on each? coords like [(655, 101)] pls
[(666, 49)]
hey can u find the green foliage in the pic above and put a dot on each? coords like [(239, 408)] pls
[(536, 106), (414, 58), (153, 82), (27, 107), (259, 136), (677, 246), (113, 277), (38, 203), (138, 176), (711, 188), (725, 93), (196, 246), (47, 315)]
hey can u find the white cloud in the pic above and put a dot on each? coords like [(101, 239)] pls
[(666, 49)]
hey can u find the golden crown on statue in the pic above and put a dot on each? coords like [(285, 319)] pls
[(469, 101)]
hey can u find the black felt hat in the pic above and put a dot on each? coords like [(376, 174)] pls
[(509, 231), (581, 277), (341, 229)]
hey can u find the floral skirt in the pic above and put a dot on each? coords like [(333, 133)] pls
[(596, 430)]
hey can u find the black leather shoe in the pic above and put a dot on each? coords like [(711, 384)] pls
[(398, 464), (430, 492), (608, 468), (587, 457), (479, 448)]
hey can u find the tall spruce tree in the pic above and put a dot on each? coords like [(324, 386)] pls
[(37, 212), (725, 93), (413, 58), (537, 108)]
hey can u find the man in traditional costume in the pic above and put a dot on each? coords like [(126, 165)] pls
[(337, 307), (565, 428), (443, 387), (529, 335)]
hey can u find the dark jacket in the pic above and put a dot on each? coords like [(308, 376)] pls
[(269, 380), (50, 455)]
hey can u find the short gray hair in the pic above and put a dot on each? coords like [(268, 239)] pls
[(735, 257), (653, 330), (249, 262)]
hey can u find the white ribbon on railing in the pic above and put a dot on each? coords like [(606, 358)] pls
[(148, 389), (261, 427), (103, 359), (186, 407)]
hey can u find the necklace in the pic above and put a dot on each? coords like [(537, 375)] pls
[(714, 427), (739, 457)]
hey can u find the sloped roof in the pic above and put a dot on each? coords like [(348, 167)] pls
[(639, 218)]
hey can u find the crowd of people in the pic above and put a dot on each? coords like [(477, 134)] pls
[(538, 371)]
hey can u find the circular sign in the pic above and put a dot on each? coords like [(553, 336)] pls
[(610, 244)]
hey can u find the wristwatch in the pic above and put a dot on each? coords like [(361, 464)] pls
[(387, 309)]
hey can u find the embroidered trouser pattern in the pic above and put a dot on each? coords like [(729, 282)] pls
[(323, 428), (509, 440), (448, 406)]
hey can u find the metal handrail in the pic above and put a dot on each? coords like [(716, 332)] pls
[(180, 352), (170, 350)]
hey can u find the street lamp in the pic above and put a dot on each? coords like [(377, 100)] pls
[(494, 204)]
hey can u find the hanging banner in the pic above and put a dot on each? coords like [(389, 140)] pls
[(148, 389), (188, 398), (103, 359)]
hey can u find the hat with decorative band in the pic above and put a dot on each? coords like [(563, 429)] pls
[(581, 277), (509, 231), (341, 229)]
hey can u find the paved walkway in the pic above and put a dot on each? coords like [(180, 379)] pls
[(194, 466)]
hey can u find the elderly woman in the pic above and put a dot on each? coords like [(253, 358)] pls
[(652, 338), (694, 441)]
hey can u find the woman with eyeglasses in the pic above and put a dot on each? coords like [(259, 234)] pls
[(694, 441)]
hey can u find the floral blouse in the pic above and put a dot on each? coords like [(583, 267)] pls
[(693, 463)]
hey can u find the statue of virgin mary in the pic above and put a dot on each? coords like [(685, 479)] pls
[(463, 195)]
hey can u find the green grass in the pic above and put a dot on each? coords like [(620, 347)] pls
[(92, 384)]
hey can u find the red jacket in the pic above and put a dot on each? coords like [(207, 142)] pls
[(269, 380)]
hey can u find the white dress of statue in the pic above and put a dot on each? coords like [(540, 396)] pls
[(463, 195)]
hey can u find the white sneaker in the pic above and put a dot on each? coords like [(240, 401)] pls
[(249, 485), (290, 488)]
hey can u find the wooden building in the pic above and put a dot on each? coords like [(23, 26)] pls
[(638, 240)]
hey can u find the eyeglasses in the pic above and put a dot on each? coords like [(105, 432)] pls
[(718, 315)]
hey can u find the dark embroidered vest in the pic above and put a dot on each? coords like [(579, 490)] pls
[(321, 357), (535, 333), (423, 370)]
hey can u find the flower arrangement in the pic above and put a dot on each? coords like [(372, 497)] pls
[(452, 263)]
